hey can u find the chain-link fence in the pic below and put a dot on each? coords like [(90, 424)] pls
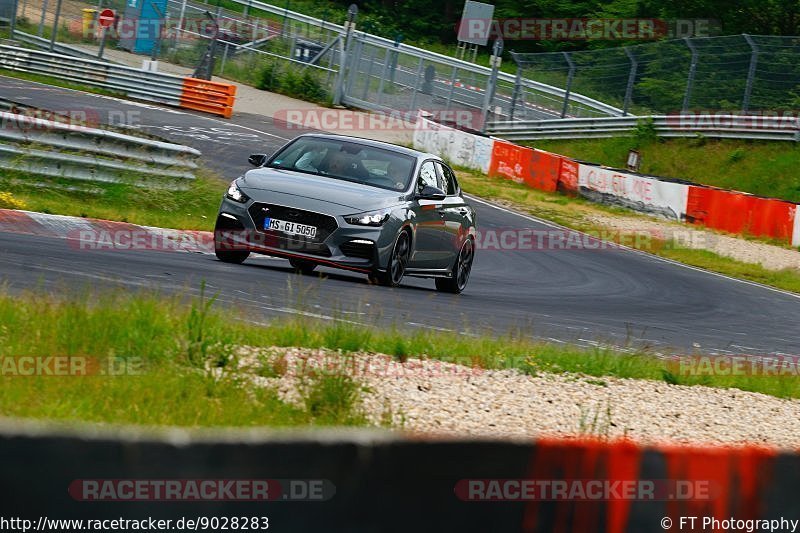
[(732, 73)]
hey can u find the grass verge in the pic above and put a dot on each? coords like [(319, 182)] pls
[(574, 213), (187, 364), (193, 208), (758, 167)]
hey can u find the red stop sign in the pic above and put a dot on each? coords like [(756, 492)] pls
[(106, 18)]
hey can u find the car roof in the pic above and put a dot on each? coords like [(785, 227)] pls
[(375, 144)]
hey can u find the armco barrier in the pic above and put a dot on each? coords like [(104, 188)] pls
[(211, 97), (44, 147), (379, 481), (741, 213)]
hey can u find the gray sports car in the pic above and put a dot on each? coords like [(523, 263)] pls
[(351, 203)]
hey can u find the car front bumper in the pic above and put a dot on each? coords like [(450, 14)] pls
[(348, 246)]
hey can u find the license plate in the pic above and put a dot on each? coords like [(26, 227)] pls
[(292, 228)]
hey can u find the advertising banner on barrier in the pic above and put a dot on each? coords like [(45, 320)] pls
[(568, 176), (738, 212), (511, 161), (640, 193), (459, 147)]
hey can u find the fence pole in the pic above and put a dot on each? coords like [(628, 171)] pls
[(690, 78), (416, 84), (631, 81), (751, 73), (370, 62), (491, 83), (40, 31), (517, 88), (384, 73), (452, 89), (570, 75), (344, 51), (54, 33)]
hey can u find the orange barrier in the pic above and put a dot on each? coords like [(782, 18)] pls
[(208, 96), (510, 161), (740, 213), (535, 168), (544, 171)]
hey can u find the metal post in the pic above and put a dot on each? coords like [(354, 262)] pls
[(55, 26), (344, 52), (517, 88), (631, 81), (102, 43), (416, 84), (751, 73), (570, 76), (40, 31), (384, 73), (181, 17), (370, 61), (690, 78), (452, 88), (13, 21), (224, 58), (491, 84)]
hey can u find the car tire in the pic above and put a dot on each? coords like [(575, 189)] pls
[(398, 261), (461, 270), (228, 256), (302, 267)]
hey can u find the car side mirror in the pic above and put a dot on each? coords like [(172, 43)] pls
[(430, 192), (258, 160)]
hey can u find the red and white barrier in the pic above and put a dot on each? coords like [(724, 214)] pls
[(796, 231), (88, 234), (731, 211), (459, 147), (640, 193)]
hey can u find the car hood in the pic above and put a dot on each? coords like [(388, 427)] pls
[(315, 193)]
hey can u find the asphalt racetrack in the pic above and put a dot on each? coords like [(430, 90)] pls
[(584, 297)]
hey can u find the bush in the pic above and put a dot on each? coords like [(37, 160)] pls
[(304, 85)]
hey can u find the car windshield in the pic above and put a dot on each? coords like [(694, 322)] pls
[(347, 160)]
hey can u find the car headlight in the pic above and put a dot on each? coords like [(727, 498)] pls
[(236, 194), (373, 218)]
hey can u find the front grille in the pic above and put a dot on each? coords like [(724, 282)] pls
[(325, 225), (358, 249)]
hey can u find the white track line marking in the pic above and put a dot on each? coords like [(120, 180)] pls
[(628, 248)]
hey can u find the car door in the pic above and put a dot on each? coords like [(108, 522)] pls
[(456, 215), (429, 222)]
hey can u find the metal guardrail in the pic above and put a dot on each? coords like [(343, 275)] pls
[(136, 83), (74, 151), (441, 59), (44, 44), (717, 126)]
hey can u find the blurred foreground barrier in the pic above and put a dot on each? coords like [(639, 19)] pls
[(63, 150), (359, 480), (211, 97)]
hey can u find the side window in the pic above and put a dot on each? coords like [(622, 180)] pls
[(427, 175), (447, 181)]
